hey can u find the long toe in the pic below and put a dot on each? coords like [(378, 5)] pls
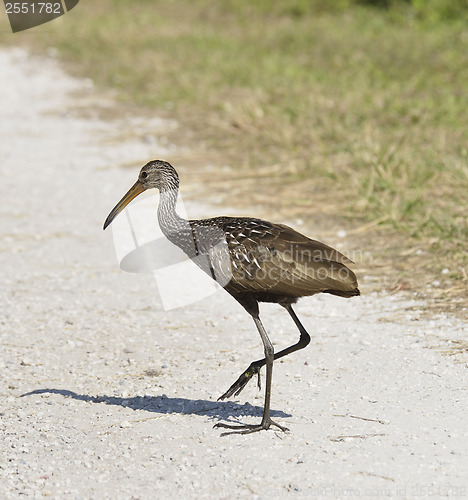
[(249, 428), (235, 388), (238, 386)]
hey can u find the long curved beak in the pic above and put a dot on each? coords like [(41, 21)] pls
[(132, 193)]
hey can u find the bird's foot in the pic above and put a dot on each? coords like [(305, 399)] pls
[(249, 428), (237, 387)]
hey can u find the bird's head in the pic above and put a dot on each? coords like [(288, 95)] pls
[(157, 174)]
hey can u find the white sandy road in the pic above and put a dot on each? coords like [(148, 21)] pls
[(105, 395)]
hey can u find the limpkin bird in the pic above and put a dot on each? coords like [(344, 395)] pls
[(255, 260)]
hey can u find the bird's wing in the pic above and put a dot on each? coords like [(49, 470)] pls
[(319, 250), (274, 258)]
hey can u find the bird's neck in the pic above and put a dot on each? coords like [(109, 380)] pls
[(175, 228)]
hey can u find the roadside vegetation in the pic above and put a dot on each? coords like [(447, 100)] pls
[(361, 106)]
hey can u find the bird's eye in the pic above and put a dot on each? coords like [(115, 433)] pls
[(144, 175)]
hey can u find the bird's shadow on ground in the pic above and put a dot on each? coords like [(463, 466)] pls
[(219, 410)]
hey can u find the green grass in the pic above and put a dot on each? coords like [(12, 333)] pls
[(370, 104)]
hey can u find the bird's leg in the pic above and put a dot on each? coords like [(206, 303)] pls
[(266, 420), (255, 366)]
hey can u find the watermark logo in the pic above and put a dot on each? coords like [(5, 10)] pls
[(141, 247), (26, 15)]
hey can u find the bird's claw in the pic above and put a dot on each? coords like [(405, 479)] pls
[(237, 387), (249, 428)]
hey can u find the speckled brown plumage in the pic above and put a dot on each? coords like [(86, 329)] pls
[(254, 260)]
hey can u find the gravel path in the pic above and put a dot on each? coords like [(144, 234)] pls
[(106, 395)]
